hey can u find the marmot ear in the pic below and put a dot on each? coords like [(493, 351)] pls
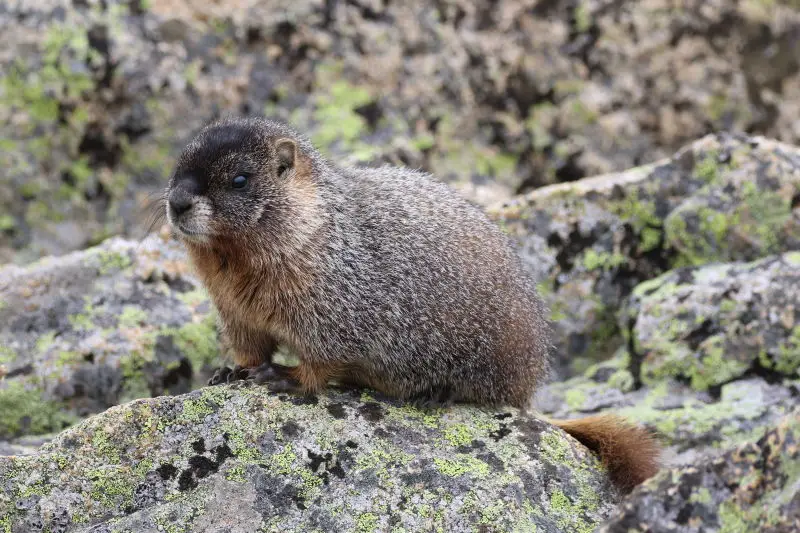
[(287, 154)]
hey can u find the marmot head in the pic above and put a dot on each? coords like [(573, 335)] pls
[(234, 179)]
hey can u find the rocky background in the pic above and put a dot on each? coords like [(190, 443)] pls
[(671, 276)]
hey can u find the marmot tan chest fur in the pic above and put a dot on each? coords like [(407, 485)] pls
[(378, 277)]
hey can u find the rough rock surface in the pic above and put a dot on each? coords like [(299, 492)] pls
[(722, 198), (495, 97), (712, 357), (241, 459), (86, 331), (754, 487), (711, 325)]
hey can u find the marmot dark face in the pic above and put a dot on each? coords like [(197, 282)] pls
[(229, 180)]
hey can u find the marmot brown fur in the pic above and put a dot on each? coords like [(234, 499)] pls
[(377, 277)]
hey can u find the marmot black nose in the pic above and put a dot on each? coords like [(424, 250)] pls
[(180, 202)]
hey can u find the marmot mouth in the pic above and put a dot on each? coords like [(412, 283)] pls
[(190, 234)]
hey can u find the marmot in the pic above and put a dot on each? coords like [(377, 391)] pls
[(377, 277)]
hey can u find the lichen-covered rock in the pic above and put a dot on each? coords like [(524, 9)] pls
[(591, 242), (692, 425), (754, 487), (712, 357), (713, 324), (492, 96), (91, 329), (239, 458)]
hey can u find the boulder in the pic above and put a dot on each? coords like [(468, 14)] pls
[(239, 458), (85, 331), (711, 325), (752, 487), (711, 357), (589, 243)]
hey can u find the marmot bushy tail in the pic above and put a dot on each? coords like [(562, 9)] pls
[(630, 453), (377, 277)]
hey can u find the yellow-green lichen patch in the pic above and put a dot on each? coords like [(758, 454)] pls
[(27, 412), (458, 434), (198, 341), (7, 355), (787, 360), (640, 213), (110, 261), (461, 465), (111, 486), (132, 316), (133, 364), (594, 260), (194, 410), (367, 523), (568, 513), (101, 443)]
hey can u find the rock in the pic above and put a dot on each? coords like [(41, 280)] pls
[(86, 331), (591, 242), (753, 487), (713, 324), (711, 357), (493, 97), (693, 426), (240, 458)]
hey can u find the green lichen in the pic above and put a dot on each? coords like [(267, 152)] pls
[(236, 473), (787, 360), (641, 215), (67, 359), (367, 523), (111, 486), (575, 398), (458, 435), (622, 380), (198, 341), (593, 260), (701, 495), (732, 519), (194, 297), (423, 142), (132, 316), (112, 261), (5, 524), (581, 113), (793, 258), (195, 410), (336, 118), (102, 443), (714, 367), (132, 365), (44, 342), (7, 223), (568, 513), (7, 355), (26, 412), (555, 447), (462, 464), (582, 16), (708, 168)]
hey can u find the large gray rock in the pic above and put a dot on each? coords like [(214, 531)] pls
[(239, 458), (712, 358), (753, 487), (86, 331), (493, 96), (711, 325), (589, 243)]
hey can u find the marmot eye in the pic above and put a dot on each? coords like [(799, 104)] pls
[(239, 182)]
